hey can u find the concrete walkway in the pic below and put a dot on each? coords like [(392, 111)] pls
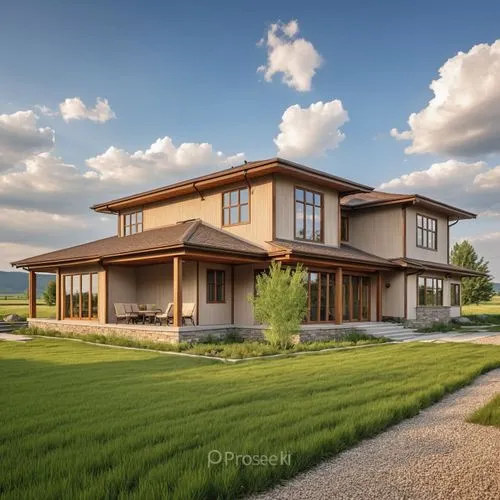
[(435, 455), (14, 338)]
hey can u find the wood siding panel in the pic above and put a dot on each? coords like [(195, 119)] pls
[(121, 288), (393, 297), (214, 314), (243, 287)]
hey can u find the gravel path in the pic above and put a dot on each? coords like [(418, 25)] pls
[(435, 455)]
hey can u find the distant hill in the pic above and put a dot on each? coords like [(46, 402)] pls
[(17, 282), (497, 287)]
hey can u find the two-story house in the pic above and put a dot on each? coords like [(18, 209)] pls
[(369, 255)]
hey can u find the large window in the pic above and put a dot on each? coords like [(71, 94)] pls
[(308, 215), (236, 207), (430, 291), (132, 223), (344, 228), (455, 294), (426, 232), (321, 297), (80, 296), (216, 286)]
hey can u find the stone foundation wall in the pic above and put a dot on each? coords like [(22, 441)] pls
[(428, 315)]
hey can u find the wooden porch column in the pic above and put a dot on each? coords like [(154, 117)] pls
[(339, 302), (379, 296), (58, 295), (177, 291), (32, 294)]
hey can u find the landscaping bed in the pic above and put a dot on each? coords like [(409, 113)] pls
[(230, 347)]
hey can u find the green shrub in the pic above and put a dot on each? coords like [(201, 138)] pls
[(280, 303)]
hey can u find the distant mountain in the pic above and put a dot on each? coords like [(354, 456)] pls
[(496, 286), (17, 282)]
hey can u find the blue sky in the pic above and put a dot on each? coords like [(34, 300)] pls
[(188, 71)]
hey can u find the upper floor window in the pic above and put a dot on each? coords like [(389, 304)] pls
[(132, 223), (426, 232), (430, 291), (308, 215), (344, 228), (235, 207), (455, 294), (216, 286)]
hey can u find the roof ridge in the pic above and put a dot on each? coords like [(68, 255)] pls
[(192, 227)]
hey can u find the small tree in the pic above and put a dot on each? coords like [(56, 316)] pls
[(280, 302), (49, 295), (474, 290)]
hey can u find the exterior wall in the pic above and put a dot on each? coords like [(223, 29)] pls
[(393, 297), (121, 288), (285, 210), (412, 251), (455, 311), (378, 231), (214, 314), (258, 230), (243, 287)]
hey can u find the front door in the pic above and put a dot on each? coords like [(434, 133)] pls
[(356, 300)]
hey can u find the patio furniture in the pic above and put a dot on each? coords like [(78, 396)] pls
[(168, 315), (122, 312), (188, 310)]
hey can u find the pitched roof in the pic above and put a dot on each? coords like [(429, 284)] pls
[(425, 265), (343, 253), (230, 175), (379, 198), (189, 234)]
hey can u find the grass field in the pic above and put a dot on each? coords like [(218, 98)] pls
[(492, 307), (488, 414), (81, 421), (42, 310)]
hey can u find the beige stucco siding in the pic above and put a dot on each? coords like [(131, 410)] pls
[(258, 230), (285, 209), (121, 288), (378, 231), (414, 252), (393, 297), (214, 314)]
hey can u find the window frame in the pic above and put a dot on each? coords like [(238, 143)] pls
[(132, 222), (435, 288), (425, 230), (457, 294), (63, 294), (305, 204), (342, 219), (214, 284), (238, 206)]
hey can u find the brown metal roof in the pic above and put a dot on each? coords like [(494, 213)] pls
[(379, 198), (425, 265), (246, 171), (343, 253), (189, 234)]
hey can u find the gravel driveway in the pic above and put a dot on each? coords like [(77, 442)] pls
[(435, 455)]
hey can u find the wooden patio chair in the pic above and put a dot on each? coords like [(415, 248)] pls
[(168, 315), (122, 313), (188, 310)]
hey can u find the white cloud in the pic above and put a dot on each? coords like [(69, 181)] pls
[(45, 110), (296, 58), (10, 252), (463, 117), (472, 186), (74, 109), (311, 131), (20, 137)]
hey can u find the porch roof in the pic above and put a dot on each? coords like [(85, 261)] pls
[(425, 265), (345, 253), (193, 234)]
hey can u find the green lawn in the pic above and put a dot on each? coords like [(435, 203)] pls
[(491, 307), (488, 414), (42, 310), (82, 421)]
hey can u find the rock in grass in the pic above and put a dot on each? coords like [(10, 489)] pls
[(13, 318)]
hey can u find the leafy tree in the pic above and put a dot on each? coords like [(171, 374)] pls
[(280, 302), (49, 295), (474, 290)]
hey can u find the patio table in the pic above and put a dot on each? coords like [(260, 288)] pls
[(148, 313)]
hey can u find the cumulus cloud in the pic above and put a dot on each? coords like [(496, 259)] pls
[(296, 58), (311, 131), (463, 117), (10, 252), (20, 137), (45, 110), (472, 186), (75, 109)]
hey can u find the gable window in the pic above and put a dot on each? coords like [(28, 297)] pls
[(235, 207), (216, 286), (132, 223), (344, 228), (430, 291), (426, 232), (455, 294), (308, 215)]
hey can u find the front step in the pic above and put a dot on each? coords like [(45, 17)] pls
[(10, 327)]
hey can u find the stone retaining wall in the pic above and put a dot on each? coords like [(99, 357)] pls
[(428, 315)]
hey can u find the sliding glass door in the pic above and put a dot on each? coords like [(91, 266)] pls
[(80, 296), (356, 300), (321, 297)]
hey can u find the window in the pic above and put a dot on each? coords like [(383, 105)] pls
[(426, 232), (455, 294), (235, 207), (344, 228), (80, 296), (132, 223), (308, 215), (216, 286), (430, 291)]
